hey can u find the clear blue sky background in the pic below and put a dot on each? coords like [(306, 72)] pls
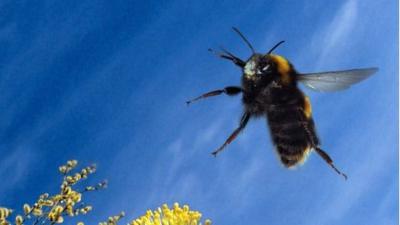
[(106, 82)]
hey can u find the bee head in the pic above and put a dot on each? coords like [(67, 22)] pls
[(261, 65), (257, 65)]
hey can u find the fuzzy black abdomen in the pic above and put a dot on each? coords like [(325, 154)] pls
[(293, 135), (288, 113), (291, 127)]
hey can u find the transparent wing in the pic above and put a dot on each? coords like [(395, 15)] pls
[(335, 80)]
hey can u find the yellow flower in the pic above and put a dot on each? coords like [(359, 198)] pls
[(60, 219), (77, 176), (72, 163), (4, 212), (63, 169), (55, 214), (84, 210), (27, 209), (44, 196), (90, 188), (57, 198), (70, 180), (48, 203), (167, 216), (70, 210), (58, 209), (19, 220), (67, 190), (76, 196), (37, 212), (113, 220)]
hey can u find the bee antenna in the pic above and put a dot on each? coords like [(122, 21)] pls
[(273, 48), (244, 39)]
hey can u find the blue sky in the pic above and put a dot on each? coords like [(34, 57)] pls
[(106, 82)]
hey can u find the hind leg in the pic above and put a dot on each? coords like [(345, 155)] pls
[(328, 160)]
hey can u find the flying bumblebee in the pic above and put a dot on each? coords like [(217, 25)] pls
[(269, 88)]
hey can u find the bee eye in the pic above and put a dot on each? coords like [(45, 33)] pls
[(265, 68)]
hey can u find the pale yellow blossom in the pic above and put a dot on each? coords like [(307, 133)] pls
[(19, 220), (5, 212)]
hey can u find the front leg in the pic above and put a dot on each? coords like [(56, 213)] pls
[(231, 90)]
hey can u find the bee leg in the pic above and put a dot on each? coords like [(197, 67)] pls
[(243, 121), (231, 90), (229, 56), (328, 160), (320, 152)]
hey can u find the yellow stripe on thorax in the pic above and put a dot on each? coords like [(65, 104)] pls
[(307, 107), (283, 67)]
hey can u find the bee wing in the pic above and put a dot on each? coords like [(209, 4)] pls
[(335, 80)]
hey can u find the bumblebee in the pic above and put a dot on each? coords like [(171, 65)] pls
[(270, 89)]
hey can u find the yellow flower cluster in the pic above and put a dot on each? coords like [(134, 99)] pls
[(73, 179), (52, 209), (71, 164), (65, 202), (113, 220), (167, 216), (4, 213)]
